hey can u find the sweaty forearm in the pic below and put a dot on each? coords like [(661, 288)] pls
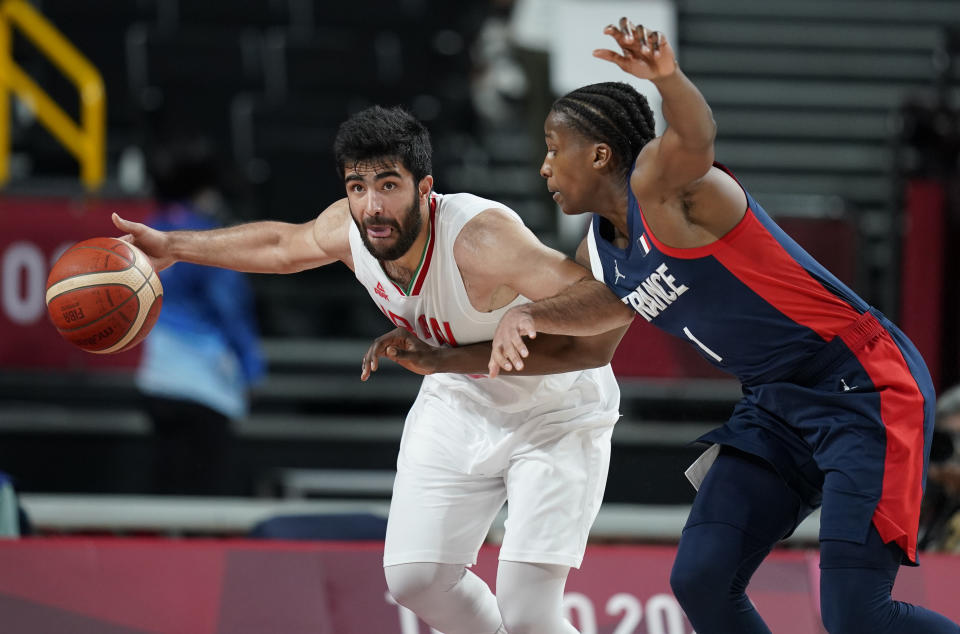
[(685, 110), (585, 308), (258, 247)]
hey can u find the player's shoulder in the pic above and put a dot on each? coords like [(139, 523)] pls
[(331, 228), (471, 205), (339, 209), (334, 218)]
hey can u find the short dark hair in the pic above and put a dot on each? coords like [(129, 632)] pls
[(377, 134), (613, 113)]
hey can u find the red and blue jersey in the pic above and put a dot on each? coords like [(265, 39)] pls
[(754, 303), (835, 396)]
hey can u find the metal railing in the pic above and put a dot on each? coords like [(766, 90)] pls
[(86, 140)]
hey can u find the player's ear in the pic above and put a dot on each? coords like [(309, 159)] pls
[(425, 186), (601, 155)]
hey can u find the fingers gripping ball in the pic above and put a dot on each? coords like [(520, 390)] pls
[(103, 295)]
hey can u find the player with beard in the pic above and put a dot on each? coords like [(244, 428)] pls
[(446, 268)]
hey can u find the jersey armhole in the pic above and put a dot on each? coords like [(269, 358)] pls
[(596, 266)]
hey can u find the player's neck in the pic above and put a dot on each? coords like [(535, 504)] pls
[(612, 206)]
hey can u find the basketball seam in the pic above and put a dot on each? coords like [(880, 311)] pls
[(130, 264), (146, 280), (136, 294), (87, 246)]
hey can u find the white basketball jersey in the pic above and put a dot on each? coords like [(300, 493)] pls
[(435, 307)]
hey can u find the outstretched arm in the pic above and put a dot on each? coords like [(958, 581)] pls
[(257, 247)]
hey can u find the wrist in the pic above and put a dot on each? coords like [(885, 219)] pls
[(434, 361), (176, 247), (669, 76)]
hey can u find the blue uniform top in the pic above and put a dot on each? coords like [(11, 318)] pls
[(835, 396), (754, 303)]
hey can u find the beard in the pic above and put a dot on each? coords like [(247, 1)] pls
[(406, 232)]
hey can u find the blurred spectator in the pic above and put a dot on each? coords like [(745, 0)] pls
[(940, 519), (204, 352), (499, 85), (531, 27)]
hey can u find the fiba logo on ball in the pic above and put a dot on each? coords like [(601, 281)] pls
[(103, 295)]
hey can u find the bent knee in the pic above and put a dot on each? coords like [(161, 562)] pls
[(690, 580), (519, 618), (409, 583), (845, 614), (845, 619)]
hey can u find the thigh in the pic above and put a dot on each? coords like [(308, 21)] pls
[(439, 511), (554, 492), (439, 516), (745, 491)]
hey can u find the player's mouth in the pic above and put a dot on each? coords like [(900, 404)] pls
[(379, 231)]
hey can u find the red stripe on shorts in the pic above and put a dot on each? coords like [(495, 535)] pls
[(897, 516)]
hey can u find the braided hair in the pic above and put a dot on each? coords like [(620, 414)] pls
[(613, 113)]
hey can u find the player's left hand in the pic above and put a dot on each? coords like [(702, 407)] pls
[(402, 347), (508, 350), (646, 53)]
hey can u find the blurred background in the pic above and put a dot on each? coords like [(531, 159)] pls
[(840, 116)]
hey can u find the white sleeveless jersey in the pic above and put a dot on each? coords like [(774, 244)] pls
[(436, 308)]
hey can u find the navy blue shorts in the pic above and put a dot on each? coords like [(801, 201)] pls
[(850, 430)]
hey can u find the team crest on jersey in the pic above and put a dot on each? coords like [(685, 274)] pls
[(381, 292)]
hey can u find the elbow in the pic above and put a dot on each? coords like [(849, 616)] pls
[(711, 126), (702, 143), (708, 128), (592, 353), (604, 355), (600, 349)]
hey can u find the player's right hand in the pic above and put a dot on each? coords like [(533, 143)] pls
[(155, 244), (645, 54), (508, 350), (402, 347)]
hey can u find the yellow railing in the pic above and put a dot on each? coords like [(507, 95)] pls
[(85, 141)]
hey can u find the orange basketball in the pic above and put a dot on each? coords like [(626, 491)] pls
[(103, 295)]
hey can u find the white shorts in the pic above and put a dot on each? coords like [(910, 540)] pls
[(459, 461)]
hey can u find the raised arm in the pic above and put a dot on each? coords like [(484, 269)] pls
[(687, 202), (257, 247), (685, 151)]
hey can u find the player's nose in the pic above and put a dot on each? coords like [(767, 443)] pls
[(545, 170), (374, 203)]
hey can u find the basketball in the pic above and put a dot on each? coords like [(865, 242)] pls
[(103, 295)]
